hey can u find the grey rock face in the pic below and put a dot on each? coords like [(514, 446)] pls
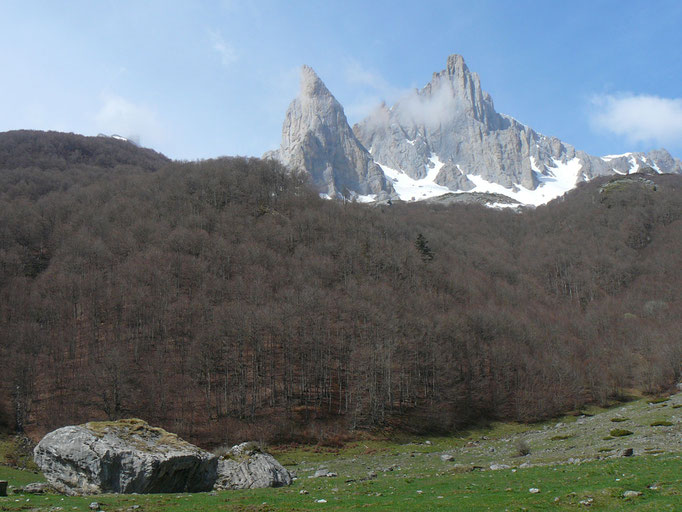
[(317, 139), (126, 456), (454, 119), (451, 176), (658, 159), (246, 467)]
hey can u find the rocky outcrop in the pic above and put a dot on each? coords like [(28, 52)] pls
[(451, 176), (317, 139), (453, 118), (485, 199), (125, 456), (245, 466)]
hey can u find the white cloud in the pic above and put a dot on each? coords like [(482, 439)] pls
[(123, 117), (640, 118), (432, 109), (227, 53), (372, 89)]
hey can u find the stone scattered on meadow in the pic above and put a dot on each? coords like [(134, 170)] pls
[(496, 467), (245, 466)]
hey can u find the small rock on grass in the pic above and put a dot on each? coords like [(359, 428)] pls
[(631, 494), (533, 490), (496, 467)]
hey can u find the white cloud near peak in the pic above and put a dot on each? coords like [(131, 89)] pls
[(373, 89), (640, 118)]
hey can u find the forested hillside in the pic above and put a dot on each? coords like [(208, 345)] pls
[(224, 300)]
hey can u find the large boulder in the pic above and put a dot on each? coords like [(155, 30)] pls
[(245, 466), (125, 456)]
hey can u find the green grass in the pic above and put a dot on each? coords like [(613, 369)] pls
[(292, 455), (405, 465), (13, 453), (602, 481), (659, 400), (18, 477), (620, 432)]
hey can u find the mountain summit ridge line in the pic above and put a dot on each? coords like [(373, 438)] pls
[(445, 137)]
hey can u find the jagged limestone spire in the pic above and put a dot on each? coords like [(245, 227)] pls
[(316, 138), (311, 85)]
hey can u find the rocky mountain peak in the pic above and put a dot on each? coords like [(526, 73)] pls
[(311, 85), (456, 65), (317, 139)]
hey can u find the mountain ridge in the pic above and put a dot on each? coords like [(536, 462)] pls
[(447, 137)]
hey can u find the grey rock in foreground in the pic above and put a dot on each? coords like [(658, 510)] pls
[(244, 466), (125, 456)]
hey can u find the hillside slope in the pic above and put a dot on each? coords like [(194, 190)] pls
[(223, 299)]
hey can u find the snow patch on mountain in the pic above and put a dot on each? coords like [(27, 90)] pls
[(555, 182), (409, 189), (608, 158)]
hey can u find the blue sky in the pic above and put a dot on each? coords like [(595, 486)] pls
[(200, 79)]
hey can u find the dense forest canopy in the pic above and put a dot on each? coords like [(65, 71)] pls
[(223, 300)]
